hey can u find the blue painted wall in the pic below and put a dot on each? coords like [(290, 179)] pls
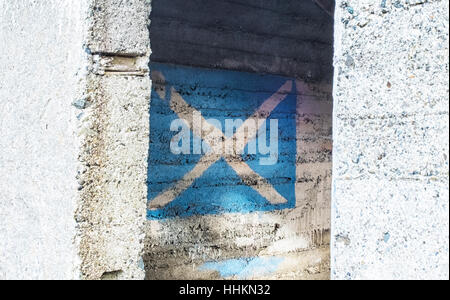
[(221, 95), (244, 268)]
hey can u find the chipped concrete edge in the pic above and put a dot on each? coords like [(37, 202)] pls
[(114, 130)]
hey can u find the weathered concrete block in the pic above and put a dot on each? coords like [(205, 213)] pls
[(390, 176), (413, 147), (42, 65), (112, 215), (403, 232), (74, 136), (119, 27)]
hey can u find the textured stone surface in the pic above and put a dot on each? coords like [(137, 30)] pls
[(112, 212), (115, 131), (119, 27), (74, 135), (390, 188), (179, 248), (42, 64)]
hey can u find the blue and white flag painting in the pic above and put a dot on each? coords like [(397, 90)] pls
[(220, 142)]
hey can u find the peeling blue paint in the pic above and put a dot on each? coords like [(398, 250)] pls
[(244, 268)]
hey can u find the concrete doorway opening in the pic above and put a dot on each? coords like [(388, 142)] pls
[(239, 180)]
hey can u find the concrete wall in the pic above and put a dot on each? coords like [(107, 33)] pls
[(42, 65), (74, 134), (224, 215), (391, 122), (291, 38), (220, 226), (114, 125)]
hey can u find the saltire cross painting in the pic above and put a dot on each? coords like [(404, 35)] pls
[(220, 142)]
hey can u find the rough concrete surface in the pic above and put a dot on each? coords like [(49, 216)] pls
[(112, 211), (42, 63), (120, 27), (75, 94), (390, 213), (115, 128)]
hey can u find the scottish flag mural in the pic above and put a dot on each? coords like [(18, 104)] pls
[(220, 142)]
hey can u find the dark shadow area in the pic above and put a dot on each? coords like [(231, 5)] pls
[(282, 37)]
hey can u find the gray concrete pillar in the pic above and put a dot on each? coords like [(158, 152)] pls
[(390, 178), (75, 95)]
